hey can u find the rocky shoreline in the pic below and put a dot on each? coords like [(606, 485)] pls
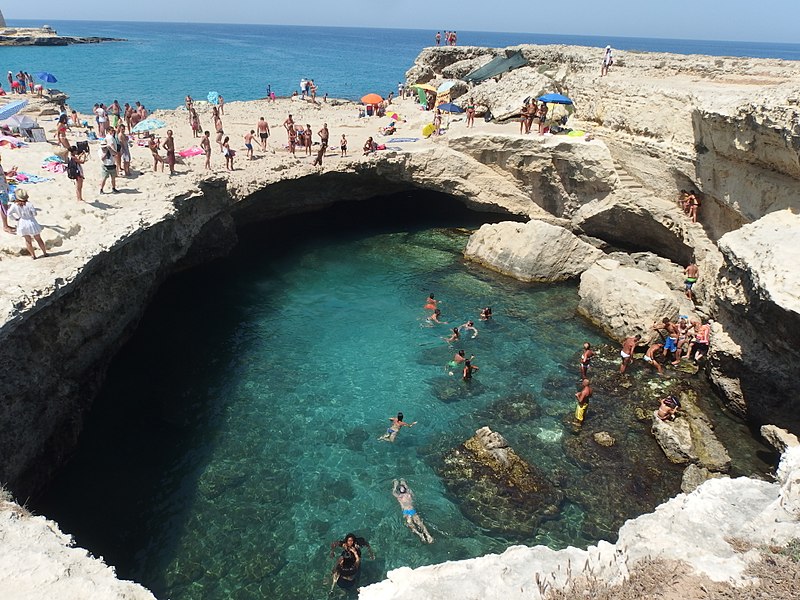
[(45, 36), (603, 209)]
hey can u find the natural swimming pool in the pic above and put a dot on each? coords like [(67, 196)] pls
[(237, 433)]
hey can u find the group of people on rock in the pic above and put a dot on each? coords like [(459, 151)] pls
[(690, 203), (22, 83), (531, 111), (450, 38)]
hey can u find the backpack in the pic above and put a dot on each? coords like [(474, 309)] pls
[(73, 172)]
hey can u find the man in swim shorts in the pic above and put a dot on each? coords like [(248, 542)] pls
[(670, 333), (394, 428), (262, 127), (583, 401), (691, 272), (628, 346), (405, 497), (248, 143)]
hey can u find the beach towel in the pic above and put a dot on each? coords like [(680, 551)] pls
[(30, 178), (193, 151), (12, 142), (400, 140), (53, 158)]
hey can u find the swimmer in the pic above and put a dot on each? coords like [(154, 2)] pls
[(405, 497), (434, 318), (394, 428), (470, 326), (586, 359), (431, 303), (453, 338), (469, 369), (459, 358), (351, 541), (486, 314), (583, 401)]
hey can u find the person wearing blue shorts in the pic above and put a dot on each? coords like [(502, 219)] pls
[(405, 497)]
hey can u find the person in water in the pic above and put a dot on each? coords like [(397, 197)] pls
[(394, 428), (469, 369), (431, 303), (345, 571), (405, 497), (434, 318), (470, 326), (486, 314), (459, 358), (454, 337), (586, 359), (583, 401), (352, 541)]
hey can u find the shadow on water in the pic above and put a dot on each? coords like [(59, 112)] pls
[(150, 435)]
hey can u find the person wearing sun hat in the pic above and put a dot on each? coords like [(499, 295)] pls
[(27, 225)]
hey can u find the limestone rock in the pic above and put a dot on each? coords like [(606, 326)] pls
[(690, 438), (778, 438), (496, 488), (625, 301), (694, 477), (604, 438), (758, 289), (533, 251)]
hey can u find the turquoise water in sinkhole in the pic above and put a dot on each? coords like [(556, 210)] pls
[(237, 433)]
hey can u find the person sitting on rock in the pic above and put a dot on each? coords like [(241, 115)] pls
[(668, 408), (405, 497)]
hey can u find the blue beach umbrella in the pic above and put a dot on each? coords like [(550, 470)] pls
[(554, 99), (46, 77), (148, 125), (12, 108), (449, 107), (213, 97)]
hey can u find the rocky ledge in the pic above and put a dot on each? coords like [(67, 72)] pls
[(46, 36)]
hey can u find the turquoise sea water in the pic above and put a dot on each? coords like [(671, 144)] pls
[(162, 62), (236, 436)]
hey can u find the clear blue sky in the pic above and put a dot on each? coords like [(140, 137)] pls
[(740, 20)]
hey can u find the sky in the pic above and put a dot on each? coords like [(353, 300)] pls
[(735, 20)]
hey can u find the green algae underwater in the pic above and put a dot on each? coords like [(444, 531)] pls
[(237, 433)]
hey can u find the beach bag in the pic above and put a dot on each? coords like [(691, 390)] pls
[(73, 172)]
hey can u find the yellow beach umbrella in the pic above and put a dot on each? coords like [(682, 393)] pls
[(425, 86)]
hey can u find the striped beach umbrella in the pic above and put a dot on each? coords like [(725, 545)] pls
[(12, 108)]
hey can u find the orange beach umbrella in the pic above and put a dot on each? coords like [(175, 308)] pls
[(372, 99)]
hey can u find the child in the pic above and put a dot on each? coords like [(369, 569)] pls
[(27, 226), (343, 145), (228, 153)]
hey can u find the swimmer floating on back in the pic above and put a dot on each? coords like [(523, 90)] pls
[(405, 497)]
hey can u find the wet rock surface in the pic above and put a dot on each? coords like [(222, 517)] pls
[(496, 488)]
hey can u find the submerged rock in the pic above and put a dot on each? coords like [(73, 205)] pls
[(694, 477), (532, 251), (513, 409), (604, 438), (496, 488), (690, 438)]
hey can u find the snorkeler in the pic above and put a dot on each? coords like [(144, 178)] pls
[(453, 338), (405, 497), (470, 326), (394, 428), (486, 313)]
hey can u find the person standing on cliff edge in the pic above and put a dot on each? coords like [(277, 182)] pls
[(608, 60)]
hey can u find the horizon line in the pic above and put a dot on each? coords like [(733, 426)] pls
[(532, 33)]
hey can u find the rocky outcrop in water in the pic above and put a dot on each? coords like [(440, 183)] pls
[(532, 251), (690, 438), (496, 488)]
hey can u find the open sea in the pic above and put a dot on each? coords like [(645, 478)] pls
[(162, 62)]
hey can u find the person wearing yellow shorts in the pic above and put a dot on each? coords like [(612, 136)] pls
[(583, 401)]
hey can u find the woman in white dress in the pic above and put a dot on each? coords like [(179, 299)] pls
[(27, 226)]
